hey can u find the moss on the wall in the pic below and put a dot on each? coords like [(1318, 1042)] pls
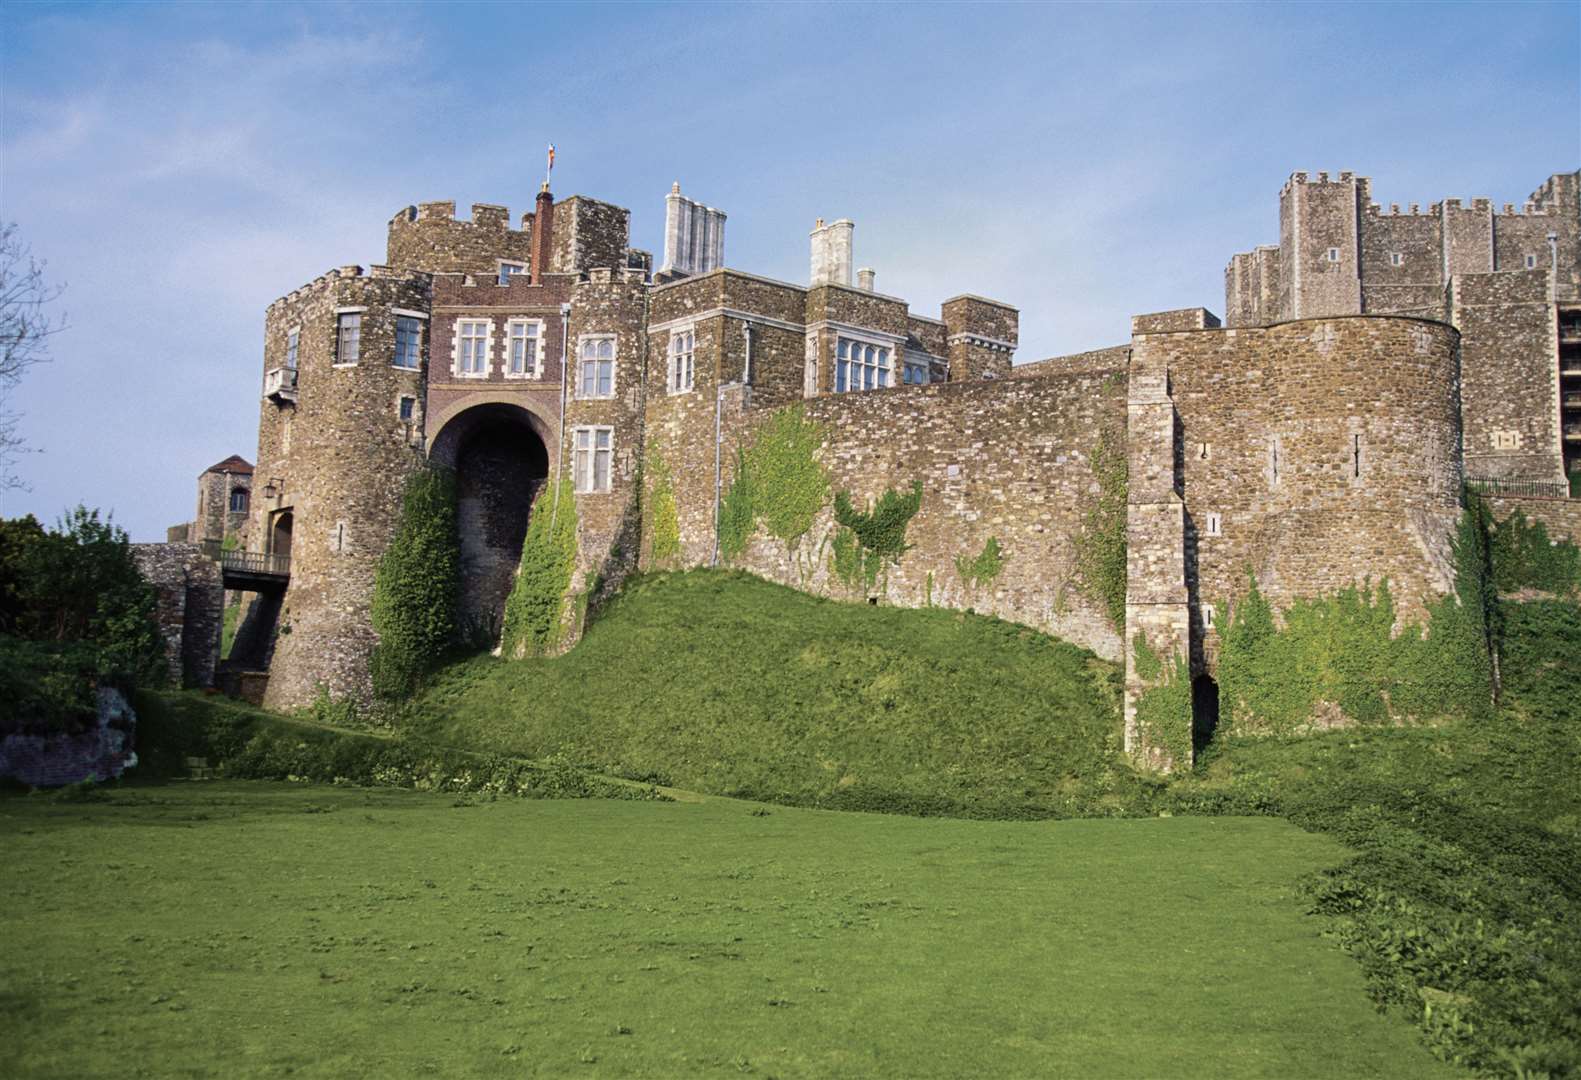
[(1101, 545), (779, 485), (868, 542), (1163, 710), (983, 568), (416, 586), (664, 525), (535, 612)]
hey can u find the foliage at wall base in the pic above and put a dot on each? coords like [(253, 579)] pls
[(664, 526), (1101, 545), (778, 485), (983, 568), (1524, 557), (867, 542), (536, 608), (415, 587), (1163, 710)]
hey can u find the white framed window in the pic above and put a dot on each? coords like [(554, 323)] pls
[(523, 341), (348, 337), (509, 270), (593, 451), (682, 360), (861, 365), (408, 342), (1333, 254), (1396, 259), (472, 348), (293, 340), (596, 367), (407, 408), (1531, 262)]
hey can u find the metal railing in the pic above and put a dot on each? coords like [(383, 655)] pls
[(248, 562), (1539, 489)]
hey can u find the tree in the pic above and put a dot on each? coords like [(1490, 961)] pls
[(25, 329)]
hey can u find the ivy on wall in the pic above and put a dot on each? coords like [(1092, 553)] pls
[(867, 543), (535, 611), (1524, 557), (664, 529), (1336, 654), (984, 568), (1163, 710), (1101, 545), (416, 585), (779, 485)]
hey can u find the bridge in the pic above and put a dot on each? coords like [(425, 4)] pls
[(250, 571)]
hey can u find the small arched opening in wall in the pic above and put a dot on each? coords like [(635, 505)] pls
[(1204, 712), (500, 454), (280, 534)]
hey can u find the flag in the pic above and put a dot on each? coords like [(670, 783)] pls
[(551, 157)]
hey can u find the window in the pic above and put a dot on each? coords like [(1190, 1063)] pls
[(598, 368), (591, 467), (1333, 254), (239, 500), (1531, 262), (507, 269), (681, 353), (348, 337), (291, 341), (914, 373), (472, 347), (408, 408), (408, 342), (1396, 259), (860, 366), (521, 350)]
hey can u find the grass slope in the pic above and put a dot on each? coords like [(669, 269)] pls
[(725, 683), (249, 929)]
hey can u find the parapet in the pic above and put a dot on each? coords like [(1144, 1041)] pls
[(1165, 322)]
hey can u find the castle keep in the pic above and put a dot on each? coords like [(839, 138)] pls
[(1368, 366)]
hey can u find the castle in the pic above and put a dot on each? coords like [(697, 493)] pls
[(1369, 365)]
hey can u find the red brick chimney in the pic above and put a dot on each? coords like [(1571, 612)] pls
[(542, 234)]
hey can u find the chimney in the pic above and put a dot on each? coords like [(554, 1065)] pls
[(694, 235), (864, 278), (542, 234), (831, 252)]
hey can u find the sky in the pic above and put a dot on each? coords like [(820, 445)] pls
[(178, 167)]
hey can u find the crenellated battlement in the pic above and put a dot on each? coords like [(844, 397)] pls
[(484, 215), (341, 273)]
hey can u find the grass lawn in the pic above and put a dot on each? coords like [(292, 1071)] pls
[(726, 683), (252, 929)]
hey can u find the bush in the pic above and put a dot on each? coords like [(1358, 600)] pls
[(47, 688), (415, 586)]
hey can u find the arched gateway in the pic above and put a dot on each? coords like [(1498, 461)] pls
[(501, 457)]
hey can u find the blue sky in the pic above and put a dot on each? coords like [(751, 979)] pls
[(181, 166)]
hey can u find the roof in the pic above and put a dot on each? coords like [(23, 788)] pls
[(233, 464)]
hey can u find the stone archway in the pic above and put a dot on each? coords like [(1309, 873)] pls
[(500, 454)]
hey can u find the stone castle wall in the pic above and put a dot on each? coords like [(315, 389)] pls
[(428, 237)]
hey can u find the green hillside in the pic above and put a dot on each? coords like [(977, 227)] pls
[(727, 684)]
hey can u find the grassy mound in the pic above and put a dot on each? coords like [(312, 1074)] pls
[(727, 684)]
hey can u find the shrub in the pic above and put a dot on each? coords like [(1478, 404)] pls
[(415, 586), (869, 542)]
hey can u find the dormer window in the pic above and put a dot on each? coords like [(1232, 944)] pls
[(510, 269)]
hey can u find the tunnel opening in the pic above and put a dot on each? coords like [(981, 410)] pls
[(1204, 712), (501, 461)]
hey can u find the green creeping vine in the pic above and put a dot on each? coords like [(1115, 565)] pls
[(415, 586), (535, 611), (664, 532), (869, 542), (1337, 653), (1163, 710), (1524, 557), (1100, 547), (779, 485), (985, 568)]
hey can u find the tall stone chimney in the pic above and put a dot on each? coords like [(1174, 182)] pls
[(694, 236), (831, 252), (864, 278), (542, 234)]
